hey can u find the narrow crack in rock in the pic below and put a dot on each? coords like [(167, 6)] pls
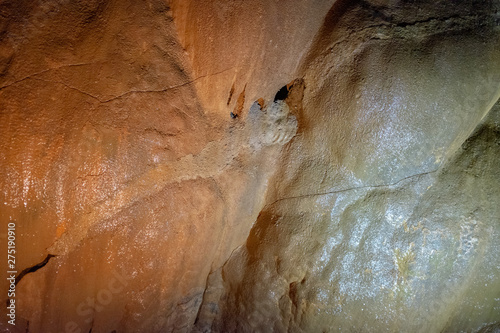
[(34, 268), (353, 188), (31, 269), (31, 76), (126, 93)]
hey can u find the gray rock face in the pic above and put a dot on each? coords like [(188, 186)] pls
[(273, 125), (417, 256)]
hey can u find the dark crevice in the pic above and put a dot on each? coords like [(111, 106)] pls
[(426, 21), (34, 268), (282, 94), (231, 92), (388, 14), (159, 132), (240, 103), (197, 318)]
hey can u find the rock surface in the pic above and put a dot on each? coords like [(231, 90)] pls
[(251, 166)]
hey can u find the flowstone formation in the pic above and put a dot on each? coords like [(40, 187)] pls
[(251, 166), (273, 125)]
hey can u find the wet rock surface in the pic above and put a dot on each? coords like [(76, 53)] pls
[(250, 166)]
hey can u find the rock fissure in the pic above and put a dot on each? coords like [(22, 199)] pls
[(34, 268), (452, 23), (165, 89), (31, 76), (354, 188), (115, 97), (202, 299)]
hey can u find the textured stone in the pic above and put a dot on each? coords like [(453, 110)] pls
[(251, 166)]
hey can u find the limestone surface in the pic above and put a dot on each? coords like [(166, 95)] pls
[(251, 166)]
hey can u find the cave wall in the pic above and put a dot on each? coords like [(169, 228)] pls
[(362, 197)]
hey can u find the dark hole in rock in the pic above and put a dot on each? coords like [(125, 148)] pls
[(282, 94)]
